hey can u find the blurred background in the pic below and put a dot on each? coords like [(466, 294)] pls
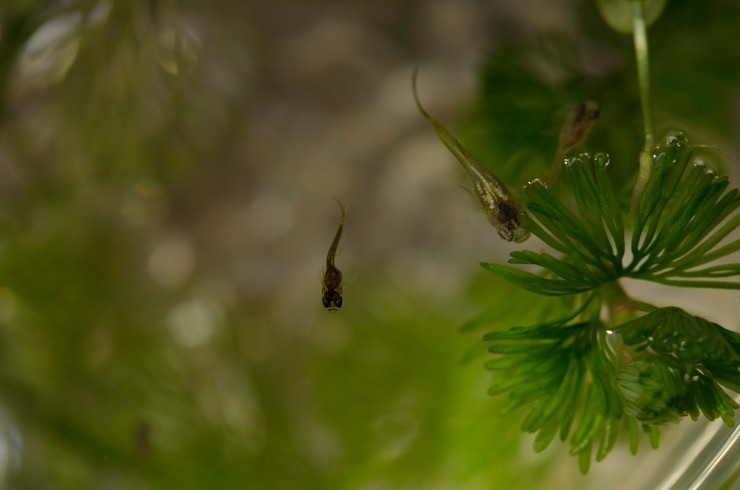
[(167, 176)]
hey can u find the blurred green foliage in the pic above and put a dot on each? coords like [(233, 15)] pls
[(530, 82)]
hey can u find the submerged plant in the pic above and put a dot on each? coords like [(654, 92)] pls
[(637, 366), (616, 363)]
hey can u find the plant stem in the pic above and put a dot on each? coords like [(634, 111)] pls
[(643, 72), (639, 36), (616, 299)]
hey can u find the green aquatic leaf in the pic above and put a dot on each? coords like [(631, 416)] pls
[(618, 14), (681, 223), (690, 340)]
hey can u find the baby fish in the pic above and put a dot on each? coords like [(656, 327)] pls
[(577, 125), (331, 287), (498, 203)]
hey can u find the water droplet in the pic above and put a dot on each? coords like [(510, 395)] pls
[(537, 181), (603, 159), (677, 137), (650, 339)]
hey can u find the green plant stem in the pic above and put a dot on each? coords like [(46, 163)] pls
[(619, 304), (639, 37)]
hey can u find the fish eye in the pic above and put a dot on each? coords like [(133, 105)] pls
[(332, 300)]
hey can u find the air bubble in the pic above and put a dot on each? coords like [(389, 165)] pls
[(537, 181), (677, 137), (602, 159)]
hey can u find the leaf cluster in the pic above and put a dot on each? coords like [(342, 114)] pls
[(677, 224), (580, 378), (702, 353), (678, 228), (563, 370), (669, 364), (558, 370)]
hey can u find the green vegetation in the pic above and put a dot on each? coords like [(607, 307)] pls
[(637, 365)]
